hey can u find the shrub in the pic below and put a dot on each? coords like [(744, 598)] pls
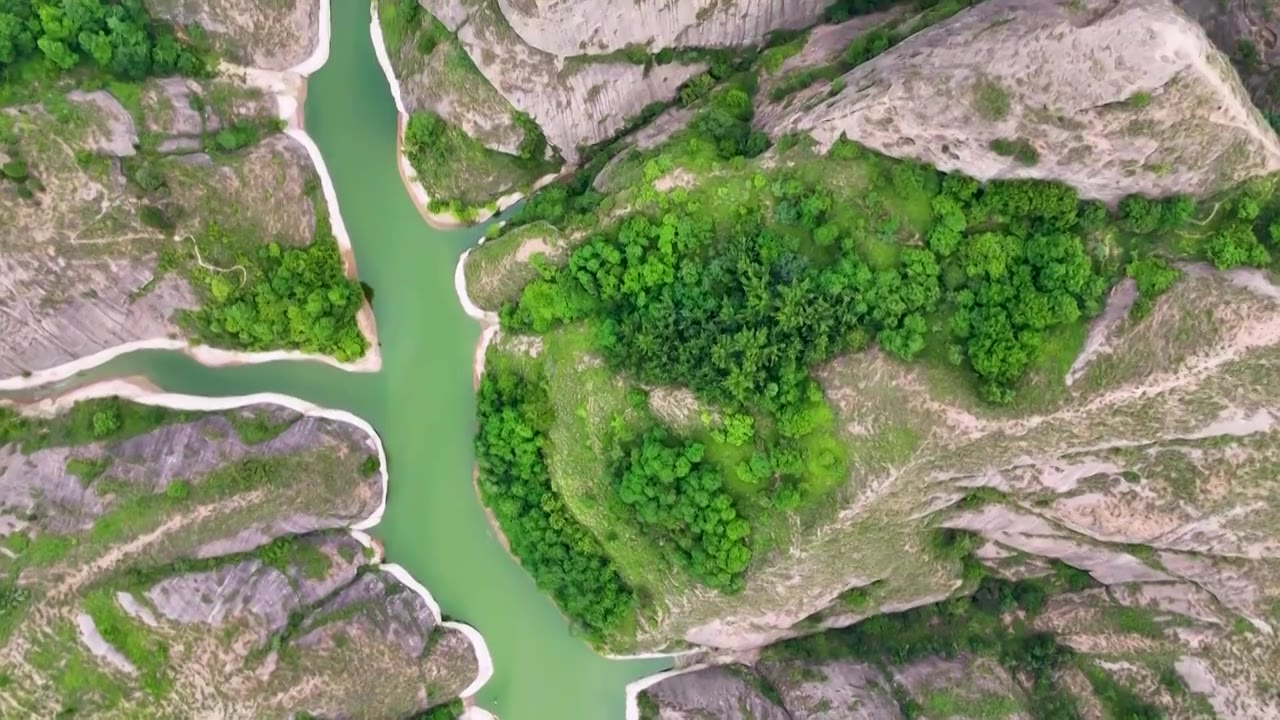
[(1248, 54), (1139, 100), (148, 177), (1020, 149), (534, 144), (990, 101), (1153, 276), (155, 217), (866, 46), (695, 88), (1140, 214), (105, 423), (15, 170), (1235, 246), (178, 490)]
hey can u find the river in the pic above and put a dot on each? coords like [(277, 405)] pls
[(421, 403)]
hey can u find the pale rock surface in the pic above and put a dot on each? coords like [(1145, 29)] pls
[(575, 102), (580, 27), (114, 132), (464, 98), (250, 590), (98, 645), (836, 690), (269, 35), (1064, 74), (78, 272), (718, 693), (1033, 535)]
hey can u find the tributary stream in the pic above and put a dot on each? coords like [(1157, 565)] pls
[(421, 403)]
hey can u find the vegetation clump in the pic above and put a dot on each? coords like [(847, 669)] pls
[(1020, 149), (459, 173), (867, 45), (115, 38), (674, 493), (1153, 276), (562, 556), (990, 100), (285, 297), (996, 620)]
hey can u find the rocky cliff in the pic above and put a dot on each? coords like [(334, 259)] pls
[(575, 101), (272, 36), (1248, 32), (1114, 98), (1134, 460), (575, 27), (1151, 476), (112, 215), (444, 80), (80, 267), (165, 560)]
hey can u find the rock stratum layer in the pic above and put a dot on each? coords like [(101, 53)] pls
[(1153, 480), (1136, 462), (575, 27), (164, 560), (1115, 97), (80, 267), (272, 35)]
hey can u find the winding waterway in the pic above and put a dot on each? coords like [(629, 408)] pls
[(421, 404)]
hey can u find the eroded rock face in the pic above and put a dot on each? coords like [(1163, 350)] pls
[(446, 83), (1115, 97), (578, 27), (272, 35), (78, 270), (575, 102), (221, 537), (1250, 33), (715, 692), (831, 690)]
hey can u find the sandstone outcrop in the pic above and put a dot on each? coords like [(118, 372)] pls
[(575, 101), (1249, 32), (446, 82), (204, 558), (272, 36), (79, 271), (1115, 97), (577, 27)]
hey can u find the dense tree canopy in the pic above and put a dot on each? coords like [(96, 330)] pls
[(563, 557), (674, 493), (741, 318), (119, 38), (292, 297)]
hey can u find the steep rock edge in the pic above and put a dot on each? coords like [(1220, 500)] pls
[(1154, 483), (462, 180), (575, 103), (102, 229), (576, 27), (81, 271), (1249, 32), (1064, 78), (272, 36), (447, 83), (211, 591)]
